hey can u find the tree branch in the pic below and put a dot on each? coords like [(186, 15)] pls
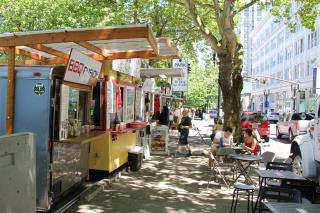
[(211, 39), (229, 26), (219, 20), (243, 7), (211, 6)]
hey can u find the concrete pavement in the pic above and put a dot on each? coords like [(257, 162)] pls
[(167, 184)]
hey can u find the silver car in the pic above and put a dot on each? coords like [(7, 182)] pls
[(273, 116)]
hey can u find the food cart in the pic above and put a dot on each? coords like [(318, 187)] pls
[(65, 105)]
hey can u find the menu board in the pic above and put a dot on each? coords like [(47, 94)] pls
[(110, 97), (159, 140), (64, 109), (129, 104), (138, 104)]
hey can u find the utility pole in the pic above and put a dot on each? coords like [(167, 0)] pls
[(219, 90), (219, 100)]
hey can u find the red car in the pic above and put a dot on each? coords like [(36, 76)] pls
[(256, 120)]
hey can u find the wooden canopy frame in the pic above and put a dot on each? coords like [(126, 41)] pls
[(45, 47)]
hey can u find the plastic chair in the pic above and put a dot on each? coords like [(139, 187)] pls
[(279, 194)]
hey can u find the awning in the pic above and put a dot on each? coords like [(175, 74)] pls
[(155, 72), (100, 43)]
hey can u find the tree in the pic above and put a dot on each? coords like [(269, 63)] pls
[(199, 90), (215, 21)]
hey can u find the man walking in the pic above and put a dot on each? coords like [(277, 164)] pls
[(183, 128)]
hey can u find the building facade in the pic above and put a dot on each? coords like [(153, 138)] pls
[(287, 62), (249, 18)]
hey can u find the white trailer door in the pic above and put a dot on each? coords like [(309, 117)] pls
[(316, 141)]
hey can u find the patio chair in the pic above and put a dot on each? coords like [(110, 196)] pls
[(222, 153), (279, 194), (199, 133), (218, 171), (277, 166), (267, 157), (307, 188)]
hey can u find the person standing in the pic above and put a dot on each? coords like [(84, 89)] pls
[(164, 116), (183, 128)]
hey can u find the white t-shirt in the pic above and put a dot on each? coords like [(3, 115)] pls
[(226, 141)]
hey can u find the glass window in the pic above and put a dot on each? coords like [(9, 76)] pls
[(96, 106), (74, 111)]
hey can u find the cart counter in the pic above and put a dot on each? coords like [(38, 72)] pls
[(111, 151)]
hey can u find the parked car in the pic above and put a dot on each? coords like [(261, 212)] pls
[(273, 116), (293, 124), (213, 113), (257, 120), (305, 150)]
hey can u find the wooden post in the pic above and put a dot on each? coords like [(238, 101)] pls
[(10, 90)]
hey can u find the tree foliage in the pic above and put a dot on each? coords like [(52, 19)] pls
[(202, 85)]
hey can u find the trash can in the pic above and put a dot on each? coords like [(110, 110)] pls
[(135, 156)]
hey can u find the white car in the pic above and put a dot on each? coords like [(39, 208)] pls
[(273, 116)]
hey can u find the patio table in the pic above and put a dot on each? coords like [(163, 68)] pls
[(239, 159), (292, 207), (274, 174)]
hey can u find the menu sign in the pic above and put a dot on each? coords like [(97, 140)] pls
[(82, 69), (180, 84), (127, 66)]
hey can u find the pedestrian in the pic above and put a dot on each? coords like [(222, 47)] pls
[(170, 120), (217, 127), (183, 128), (164, 116), (222, 139)]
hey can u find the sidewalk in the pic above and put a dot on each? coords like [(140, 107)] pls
[(164, 184)]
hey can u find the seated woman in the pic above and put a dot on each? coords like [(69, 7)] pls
[(222, 139), (250, 145)]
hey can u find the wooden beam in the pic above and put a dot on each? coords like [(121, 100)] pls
[(139, 54), (93, 48), (75, 35), (153, 42), (49, 50), (10, 90), (26, 53), (57, 60), (170, 45)]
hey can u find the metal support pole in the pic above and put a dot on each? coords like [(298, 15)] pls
[(294, 98)]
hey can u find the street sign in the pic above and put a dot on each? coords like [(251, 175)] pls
[(180, 84)]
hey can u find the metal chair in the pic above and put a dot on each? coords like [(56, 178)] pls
[(199, 133), (217, 171), (240, 187), (267, 157), (279, 194), (276, 166), (307, 188)]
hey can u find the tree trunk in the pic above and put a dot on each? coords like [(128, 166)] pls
[(230, 81)]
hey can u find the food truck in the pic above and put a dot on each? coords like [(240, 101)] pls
[(62, 99)]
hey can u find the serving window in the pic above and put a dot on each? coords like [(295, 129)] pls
[(74, 111)]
